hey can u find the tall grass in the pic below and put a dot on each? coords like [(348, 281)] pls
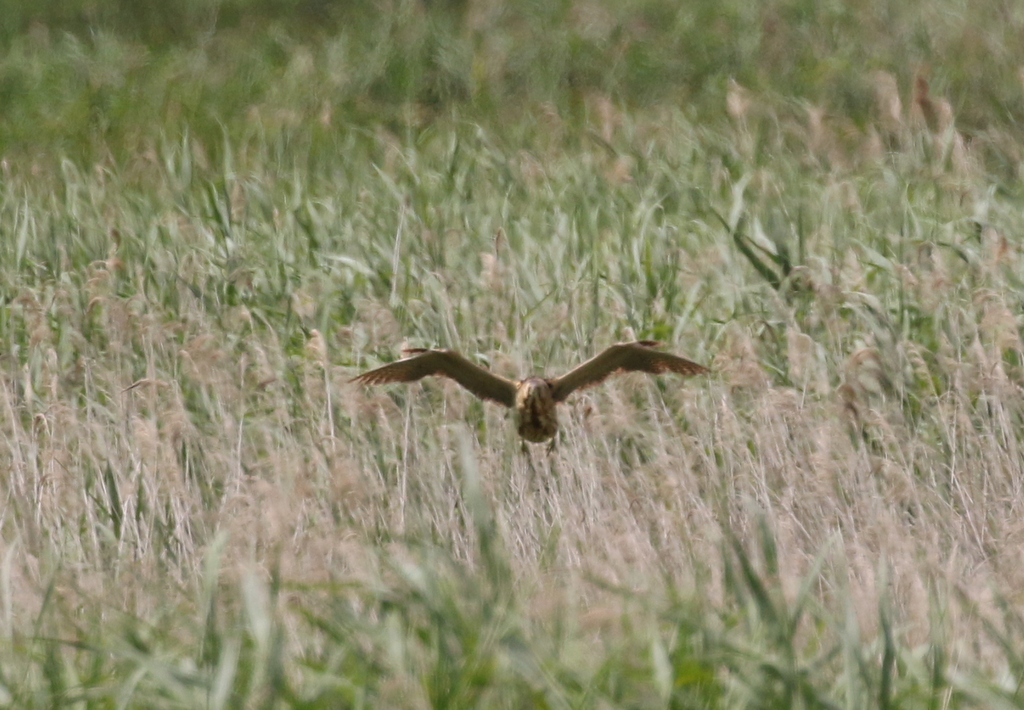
[(201, 511), (100, 81)]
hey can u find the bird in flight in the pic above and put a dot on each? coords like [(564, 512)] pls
[(533, 398)]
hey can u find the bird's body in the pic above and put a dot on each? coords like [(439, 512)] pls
[(536, 416), (534, 399)]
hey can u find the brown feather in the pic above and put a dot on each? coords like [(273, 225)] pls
[(423, 363), (639, 356), (533, 398)]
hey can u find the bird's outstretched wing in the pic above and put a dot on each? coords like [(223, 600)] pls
[(420, 363), (639, 356)]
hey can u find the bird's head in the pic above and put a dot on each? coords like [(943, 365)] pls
[(532, 389)]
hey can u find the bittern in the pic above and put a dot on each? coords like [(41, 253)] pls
[(533, 398)]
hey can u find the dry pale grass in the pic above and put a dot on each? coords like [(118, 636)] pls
[(113, 493)]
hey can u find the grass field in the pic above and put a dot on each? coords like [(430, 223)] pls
[(213, 215)]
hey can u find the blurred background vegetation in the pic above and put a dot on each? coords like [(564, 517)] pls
[(91, 80)]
